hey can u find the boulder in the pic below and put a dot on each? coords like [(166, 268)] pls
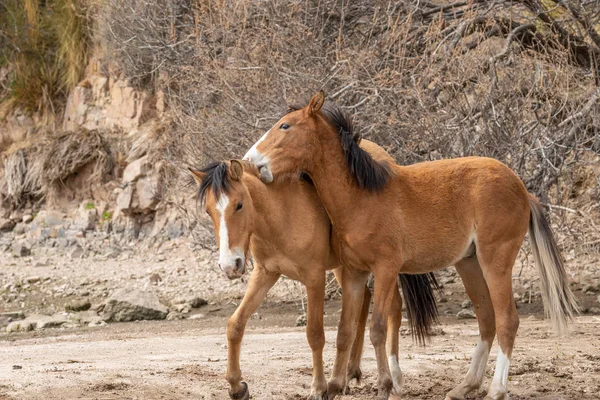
[(37, 322), (131, 305), (87, 216), (136, 169), (27, 218), (124, 199), (146, 189)]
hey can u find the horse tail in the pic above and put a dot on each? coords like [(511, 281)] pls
[(559, 302), (421, 306)]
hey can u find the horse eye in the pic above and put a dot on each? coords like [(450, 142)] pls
[(284, 127), (239, 206)]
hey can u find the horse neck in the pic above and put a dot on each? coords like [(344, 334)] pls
[(337, 188), (263, 201)]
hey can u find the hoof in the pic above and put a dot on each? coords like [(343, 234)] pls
[(356, 374), (323, 396), (244, 394), (333, 389)]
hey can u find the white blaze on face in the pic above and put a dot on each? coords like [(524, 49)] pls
[(500, 382), (225, 254), (260, 160), (396, 372), (253, 154)]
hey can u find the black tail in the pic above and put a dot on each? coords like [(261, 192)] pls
[(418, 293)]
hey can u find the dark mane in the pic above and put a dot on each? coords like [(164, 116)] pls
[(368, 173), (217, 179)]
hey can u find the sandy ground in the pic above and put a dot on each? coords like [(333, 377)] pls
[(187, 360)]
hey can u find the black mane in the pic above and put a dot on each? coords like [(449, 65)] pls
[(368, 173), (217, 179)]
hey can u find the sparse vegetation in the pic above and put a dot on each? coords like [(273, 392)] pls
[(106, 216), (46, 44)]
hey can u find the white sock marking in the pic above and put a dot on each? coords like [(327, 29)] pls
[(396, 372), (500, 382), (478, 364)]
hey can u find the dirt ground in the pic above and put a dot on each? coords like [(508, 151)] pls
[(187, 360)]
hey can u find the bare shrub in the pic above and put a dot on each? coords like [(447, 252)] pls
[(427, 81), (68, 152)]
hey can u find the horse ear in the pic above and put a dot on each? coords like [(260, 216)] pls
[(236, 170), (199, 176), (315, 103)]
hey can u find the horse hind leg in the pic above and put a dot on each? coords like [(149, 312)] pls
[(477, 290), (497, 263)]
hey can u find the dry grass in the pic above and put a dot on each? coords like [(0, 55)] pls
[(46, 43), (38, 170), (67, 153)]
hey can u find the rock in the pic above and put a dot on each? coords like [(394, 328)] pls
[(183, 308), (78, 305), (197, 316), (25, 325), (174, 315), (197, 302), (88, 215), (96, 324), (6, 225), (76, 253), (136, 169), (466, 304), (155, 279), (13, 315), (21, 249), (124, 199), (146, 189), (132, 305), (50, 321), (20, 228), (16, 215), (53, 218), (301, 320), (466, 314), (37, 322), (27, 218), (41, 263), (32, 279)]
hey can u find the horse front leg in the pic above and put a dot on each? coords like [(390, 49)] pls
[(259, 285), (385, 288), (353, 287), (315, 290)]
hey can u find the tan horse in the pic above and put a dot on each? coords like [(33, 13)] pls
[(288, 232), (472, 213)]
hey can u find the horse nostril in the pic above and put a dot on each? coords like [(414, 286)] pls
[(239, 264)]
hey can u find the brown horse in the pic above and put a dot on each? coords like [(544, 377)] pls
[(472, 213), (288, 232)]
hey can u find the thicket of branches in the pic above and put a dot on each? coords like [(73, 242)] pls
[(516, 81)]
